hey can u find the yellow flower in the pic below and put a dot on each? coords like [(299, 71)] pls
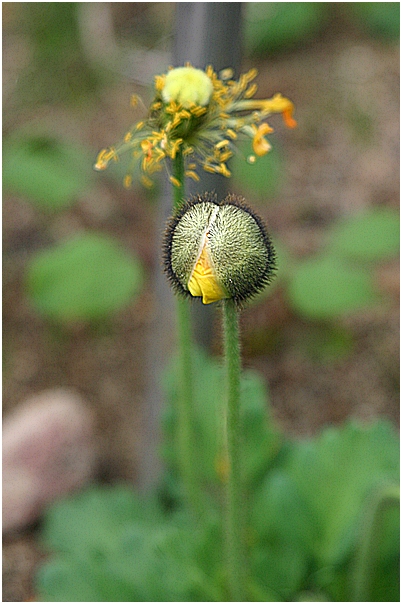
[(202, 116)]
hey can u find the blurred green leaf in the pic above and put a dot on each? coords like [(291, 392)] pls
[(372, 236), (335, 473), (261, 180), (112, 545), (324, 342), (327, 287), (281, 568), (307, 514), (274, 26), (377, 555), (59, 70), (49, 172), (86, 278), (280, 515), (381, 19), (95, 519)]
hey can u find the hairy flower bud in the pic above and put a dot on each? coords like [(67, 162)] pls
[(217, 250)]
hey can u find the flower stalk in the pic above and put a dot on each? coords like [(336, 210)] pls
[(234, 537), (185, 432)]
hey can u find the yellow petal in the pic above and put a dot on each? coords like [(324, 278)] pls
[(203, 281)]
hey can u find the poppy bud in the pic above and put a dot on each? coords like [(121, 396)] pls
[(217, 250)]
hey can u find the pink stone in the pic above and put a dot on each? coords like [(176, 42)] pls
[(48, 451)]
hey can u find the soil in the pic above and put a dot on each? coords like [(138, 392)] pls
[(332, 171)]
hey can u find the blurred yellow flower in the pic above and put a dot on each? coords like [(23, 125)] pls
[(200, 115)]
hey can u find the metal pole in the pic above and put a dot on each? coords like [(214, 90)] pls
[(207, 33)]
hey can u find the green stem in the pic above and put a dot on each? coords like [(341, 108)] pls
[(185, 430), (234, 524), (178, 173), (388, 495)]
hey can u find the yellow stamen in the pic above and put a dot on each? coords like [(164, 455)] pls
[(280, 104), (192, 174), (288, 119), (175, 147), (203, 281), (225, 156), (221, 144), (175, 181), (260, 144), (134, 100), (104, 158), (159, 82), (224, 170), (209, 168), (127, 181), (226, 74), (250, 91), (147, 182), (198, 111), (250, 75)]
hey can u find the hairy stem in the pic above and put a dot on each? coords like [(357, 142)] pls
[(178, 173), (185, 429), (234, 524)]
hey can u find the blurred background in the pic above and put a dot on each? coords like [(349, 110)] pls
[(81, 254)]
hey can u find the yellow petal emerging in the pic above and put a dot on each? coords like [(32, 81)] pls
[(203, 281)]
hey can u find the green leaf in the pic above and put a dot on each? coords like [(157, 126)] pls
[(109, 544), (66, 580), (372, 236), (47, 171), (381, 19), (95, 519), (274, 26), (263, 179), (88, 531), (334, 475), (279, 515), (280, 568), (326, 288), (86, 278)]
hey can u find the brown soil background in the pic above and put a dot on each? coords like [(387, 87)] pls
[(330, 174)]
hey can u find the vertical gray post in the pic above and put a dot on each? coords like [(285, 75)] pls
[(207, 33)]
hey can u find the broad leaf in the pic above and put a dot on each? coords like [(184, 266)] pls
[(86, 278)]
